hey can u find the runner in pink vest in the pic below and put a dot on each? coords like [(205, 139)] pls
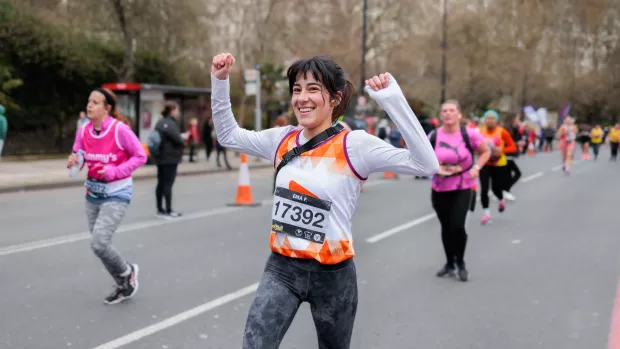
[(112, 152)]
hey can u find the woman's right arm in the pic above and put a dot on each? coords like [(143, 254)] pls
[(77, 145), (263, 144)]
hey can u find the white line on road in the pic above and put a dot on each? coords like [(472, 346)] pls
[(532, 176), (556, 168), (400, 228), (35, 245), (176, 319), (428, 217), (65, 239)]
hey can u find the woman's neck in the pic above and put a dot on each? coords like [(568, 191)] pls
[(311, 133), (97, 123), (452, 128)]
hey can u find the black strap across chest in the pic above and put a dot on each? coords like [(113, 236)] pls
[(321, 137)]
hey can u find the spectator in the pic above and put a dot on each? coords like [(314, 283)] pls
[(168, 159)]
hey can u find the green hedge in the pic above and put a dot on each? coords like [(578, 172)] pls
[(60, 67)]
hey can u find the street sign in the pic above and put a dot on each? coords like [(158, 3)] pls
[(250, 88)]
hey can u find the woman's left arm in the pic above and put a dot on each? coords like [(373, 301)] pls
[(128, 142), (371, 154)]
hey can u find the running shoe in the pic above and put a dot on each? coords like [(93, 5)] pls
[(126, 289), (446, 270), (485, 219), (462, 272)]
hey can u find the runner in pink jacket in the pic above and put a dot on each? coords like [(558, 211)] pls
[(111, 152)]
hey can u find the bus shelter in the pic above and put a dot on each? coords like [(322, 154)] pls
[(142, 104)]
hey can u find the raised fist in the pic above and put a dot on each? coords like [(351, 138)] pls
[(378, 82), (222, 65)]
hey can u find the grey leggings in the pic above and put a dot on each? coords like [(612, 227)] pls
[(331, 291), (103, 220)]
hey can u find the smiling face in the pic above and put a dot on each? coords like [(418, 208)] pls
[(96, 108), (311, 102)]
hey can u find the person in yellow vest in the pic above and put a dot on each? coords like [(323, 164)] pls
[(596, 138), (614, 141)]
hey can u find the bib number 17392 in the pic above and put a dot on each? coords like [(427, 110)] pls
[(297, 213), (300, 215)]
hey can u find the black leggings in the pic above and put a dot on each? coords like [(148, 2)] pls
[(166, 174), (451, 208), (614, 150), (595, 149), (497, 175), (331, 291), (512, 167)]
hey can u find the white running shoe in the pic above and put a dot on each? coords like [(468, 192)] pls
[(509, 196)]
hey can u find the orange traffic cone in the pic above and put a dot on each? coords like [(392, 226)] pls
[(389, 175), (244, 190), (530, 149)]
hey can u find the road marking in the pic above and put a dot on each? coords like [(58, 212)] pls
[(420, 220), (613, 341), (373, 183), (176, 319), (35, 245), (532, 176), (556, 168), (398, 229), (66, 239)]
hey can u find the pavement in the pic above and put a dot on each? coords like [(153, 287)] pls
[(544, 274), (53, 173)]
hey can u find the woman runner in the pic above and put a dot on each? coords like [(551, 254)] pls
[(614, 141), (452, 193), (596, 139), (500, 142), (316, 192), (583, 137), (514, 172), (567, 134), (112, 152)]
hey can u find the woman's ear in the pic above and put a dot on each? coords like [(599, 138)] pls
[(336, 100)]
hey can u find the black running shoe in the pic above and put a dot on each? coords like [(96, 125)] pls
[(126, 289), (463, 273), (446, 270)]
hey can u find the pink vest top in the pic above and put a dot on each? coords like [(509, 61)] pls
[(100, 151)]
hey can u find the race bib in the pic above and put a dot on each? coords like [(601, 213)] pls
[(97, 187), (300, 215)]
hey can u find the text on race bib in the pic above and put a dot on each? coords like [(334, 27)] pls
[(300, 215), (97, 187)]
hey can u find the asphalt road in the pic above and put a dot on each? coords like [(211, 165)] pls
[(544, 274)]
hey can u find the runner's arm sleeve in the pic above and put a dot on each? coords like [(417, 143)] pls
[(262, 144), (509, 145), (77, 144), (369, 154), (127, 141)]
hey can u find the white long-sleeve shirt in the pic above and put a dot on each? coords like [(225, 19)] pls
[(367, 153), (316, 193)]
